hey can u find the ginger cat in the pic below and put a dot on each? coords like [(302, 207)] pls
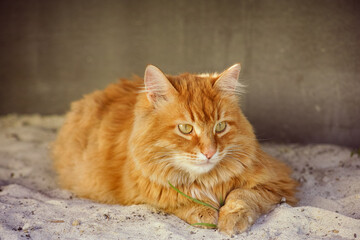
[(124, 145)]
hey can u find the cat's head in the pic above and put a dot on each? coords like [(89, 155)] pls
[(191, 123)]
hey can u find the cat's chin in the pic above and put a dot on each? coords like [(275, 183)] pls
[(200, 168)]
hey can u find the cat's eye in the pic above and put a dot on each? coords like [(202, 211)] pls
[(185, 128), (220, 127)]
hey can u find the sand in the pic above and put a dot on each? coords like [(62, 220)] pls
[(32, 206)]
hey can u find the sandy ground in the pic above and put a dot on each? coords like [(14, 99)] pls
[(33, 207)]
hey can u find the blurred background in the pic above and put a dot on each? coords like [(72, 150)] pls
[(300, 59)]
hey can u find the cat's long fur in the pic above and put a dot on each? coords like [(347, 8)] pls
[(123, 145)]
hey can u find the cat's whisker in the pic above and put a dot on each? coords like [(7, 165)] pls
[(171, 156), (238, 157), (188, 157), (252, 157), (158, 157), (240, 154), (257, 152), (164, 159)]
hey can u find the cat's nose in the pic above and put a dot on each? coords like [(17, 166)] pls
[(209, 152)]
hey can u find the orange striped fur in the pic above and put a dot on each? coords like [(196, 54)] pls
[(122, 146)]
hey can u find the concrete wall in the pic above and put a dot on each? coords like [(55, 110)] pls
[(301, 59)]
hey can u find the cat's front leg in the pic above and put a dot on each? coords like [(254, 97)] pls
[(243, 207), (195, 213)]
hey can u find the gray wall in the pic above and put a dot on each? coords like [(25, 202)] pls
[(301, 59)]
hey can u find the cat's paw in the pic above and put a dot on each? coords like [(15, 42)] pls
[(235, 217), (205, 215)]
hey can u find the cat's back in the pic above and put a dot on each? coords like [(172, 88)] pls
[(94, 120), (115, 101), (121, 95)]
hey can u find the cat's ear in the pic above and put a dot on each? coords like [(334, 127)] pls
[(228, 81), (157, 86)]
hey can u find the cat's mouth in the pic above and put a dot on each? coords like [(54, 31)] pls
[(198, 164)]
